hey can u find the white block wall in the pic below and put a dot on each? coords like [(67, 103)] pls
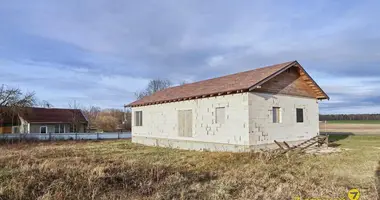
[(248, 122), (262, 130), (161, 122)]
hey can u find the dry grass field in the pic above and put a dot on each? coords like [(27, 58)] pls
[(122, 170), (351, 128)]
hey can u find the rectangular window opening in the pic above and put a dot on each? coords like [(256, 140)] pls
[(43, 129), (299, 115), (276, 114), (56, 128), (59, 128), (138, 118)]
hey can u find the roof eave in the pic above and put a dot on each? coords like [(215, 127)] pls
[(200, 96)]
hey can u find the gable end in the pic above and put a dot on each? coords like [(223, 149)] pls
[(291, 80)]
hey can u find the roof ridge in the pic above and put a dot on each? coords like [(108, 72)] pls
[(223, 84), (46, 108), (234, 74), (54, 108)]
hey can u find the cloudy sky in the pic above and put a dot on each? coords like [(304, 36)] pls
[(99, 52)]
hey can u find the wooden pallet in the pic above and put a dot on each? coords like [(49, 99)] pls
[(317, 140)]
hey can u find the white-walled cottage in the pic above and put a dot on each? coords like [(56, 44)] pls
[(42, 120), (238, 112)]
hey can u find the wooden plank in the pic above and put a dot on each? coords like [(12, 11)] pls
[(287, 145), (278, 144), (305, 142), (311, 144)]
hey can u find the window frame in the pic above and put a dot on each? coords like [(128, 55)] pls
[(278, 116), (138, 118), (55, 128), (301, 120), (46, 129), (60, 130)]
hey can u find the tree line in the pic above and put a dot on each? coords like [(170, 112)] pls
[(108, 120), (332, 117), (111, 120)]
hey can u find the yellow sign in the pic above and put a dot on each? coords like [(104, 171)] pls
[(354, 194)]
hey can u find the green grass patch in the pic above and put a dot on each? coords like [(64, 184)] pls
[(354, 122)]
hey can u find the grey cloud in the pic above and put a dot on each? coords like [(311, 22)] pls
[(196, 39), (350, 101), (171, 37)]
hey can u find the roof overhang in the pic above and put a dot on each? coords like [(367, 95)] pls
[(190, 98)]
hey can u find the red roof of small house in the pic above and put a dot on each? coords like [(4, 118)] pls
[(50, 115), (242, 81), (53, 115)]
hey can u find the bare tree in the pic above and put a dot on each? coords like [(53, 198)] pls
[(92, 114), (153, 86), (108, 120), (332, 117), (127, 124), (13, 97), (13, 101), (75, 116), (45, 104)]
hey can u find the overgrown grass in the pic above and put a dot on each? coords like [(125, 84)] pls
[(354, 122), (122, 170)]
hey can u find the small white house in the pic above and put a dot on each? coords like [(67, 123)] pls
[(42, 120), (238, 112)]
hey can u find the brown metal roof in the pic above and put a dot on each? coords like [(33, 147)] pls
[(48, 115), (53, 115), (242, 81)]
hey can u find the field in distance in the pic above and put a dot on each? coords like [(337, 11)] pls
[(351, 127), (353, 122), (122, 170)]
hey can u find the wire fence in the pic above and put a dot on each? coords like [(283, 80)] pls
[(63, 136)]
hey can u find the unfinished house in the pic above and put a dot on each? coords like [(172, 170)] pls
[(42, 120), (239, 112)]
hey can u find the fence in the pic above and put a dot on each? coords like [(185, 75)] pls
[(63, 136)]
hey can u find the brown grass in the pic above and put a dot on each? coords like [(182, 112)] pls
[(122, 170), (350, 128)]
